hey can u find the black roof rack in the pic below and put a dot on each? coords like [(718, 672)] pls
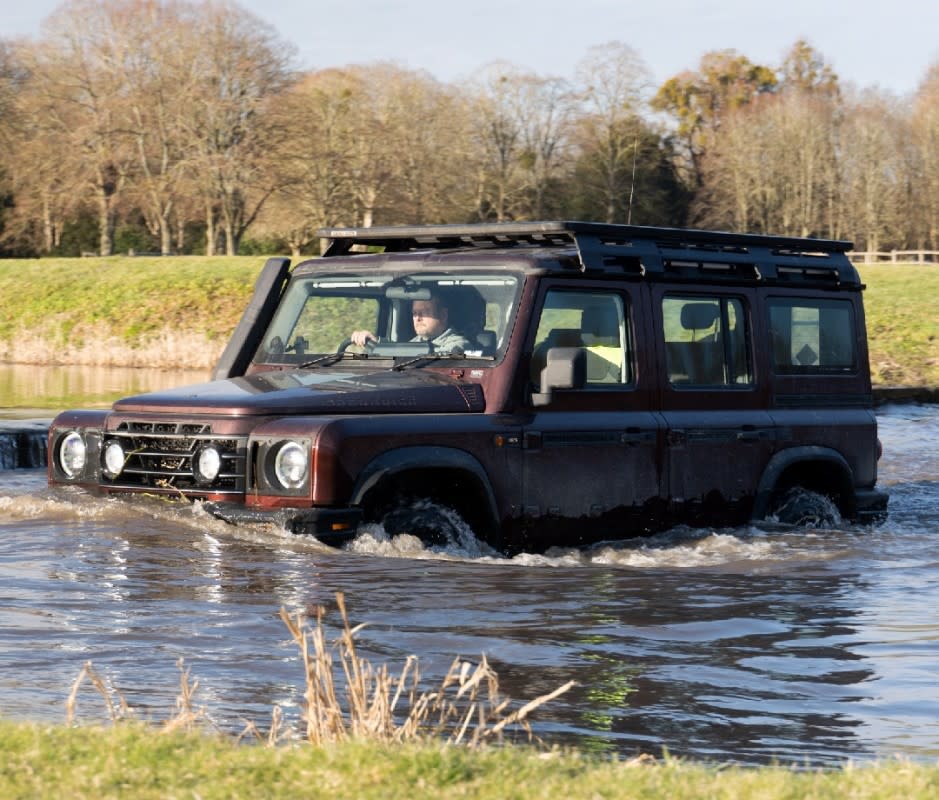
[(623, 248)]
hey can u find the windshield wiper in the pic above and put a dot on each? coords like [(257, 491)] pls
[(326, 360), (429, 357)]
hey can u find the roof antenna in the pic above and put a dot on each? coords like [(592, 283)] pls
[(632, 185)]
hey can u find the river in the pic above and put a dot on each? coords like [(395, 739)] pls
[(743, 645)]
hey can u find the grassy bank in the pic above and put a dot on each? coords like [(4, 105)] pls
[(178, 313), (902, 323), (121, 311), (133, 761)]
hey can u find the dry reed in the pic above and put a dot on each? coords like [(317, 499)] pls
[(187, 716), (365, 704), (374, 705), (92, 344)]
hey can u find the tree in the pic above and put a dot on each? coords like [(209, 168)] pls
[(546, 127), (925, 131), (773, 168), (700, 101), (610, 132), (157, 44), (9, 84), (313, 162), (497, 131), (522, 127), (804, 69), (8, 89), (242, 67), (433, 134), (77, 77), (874, 144)]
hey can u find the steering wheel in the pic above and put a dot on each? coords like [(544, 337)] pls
[(369, 346)]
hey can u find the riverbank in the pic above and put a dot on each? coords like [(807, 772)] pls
[(166, 313), (178, 312), (133, 761)]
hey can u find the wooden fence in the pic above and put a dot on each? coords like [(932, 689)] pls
[(896, 257)]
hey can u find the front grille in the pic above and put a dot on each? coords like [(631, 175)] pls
[(159, 456)]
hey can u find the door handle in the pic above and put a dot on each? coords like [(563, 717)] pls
[(636, 436), (531, 440), (753, 435)]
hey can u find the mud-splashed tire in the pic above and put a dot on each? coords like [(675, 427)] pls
[(798, 506), (435, 524)]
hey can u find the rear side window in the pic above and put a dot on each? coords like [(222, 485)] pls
[(595, 321), (812, 336), (706, 341)]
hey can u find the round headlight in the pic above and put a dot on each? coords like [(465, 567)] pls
[(290, 465), (208, 464), (72, 452), (113, 459)]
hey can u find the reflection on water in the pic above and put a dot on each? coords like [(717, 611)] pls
[(732, 645), (56, 388)]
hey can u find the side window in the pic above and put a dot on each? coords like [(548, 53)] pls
[(595, 321), (706, 341), (812, 336)]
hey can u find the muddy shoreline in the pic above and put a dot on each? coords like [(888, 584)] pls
[(906, 394)]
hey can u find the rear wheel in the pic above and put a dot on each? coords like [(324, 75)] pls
[(798, 506)]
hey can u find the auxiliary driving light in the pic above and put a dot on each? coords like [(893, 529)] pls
[(207, 464), (114, 460), (72, 452)]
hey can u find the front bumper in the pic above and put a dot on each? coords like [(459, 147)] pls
[(332, 526)]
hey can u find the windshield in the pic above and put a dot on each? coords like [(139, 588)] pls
[(391, 316)]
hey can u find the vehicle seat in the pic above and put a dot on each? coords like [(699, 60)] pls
[(487, 342), (467, 311), (557, 337), (699, 362), (601, 334)]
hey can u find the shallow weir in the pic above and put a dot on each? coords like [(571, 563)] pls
[(23, 444)]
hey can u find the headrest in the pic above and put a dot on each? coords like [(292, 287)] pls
[(699, 316)]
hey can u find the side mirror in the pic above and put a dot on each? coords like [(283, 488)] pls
[(565, 368)]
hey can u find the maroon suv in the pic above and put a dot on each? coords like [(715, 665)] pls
[(579, 382)]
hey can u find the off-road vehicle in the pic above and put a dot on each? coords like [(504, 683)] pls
[(611, 381)]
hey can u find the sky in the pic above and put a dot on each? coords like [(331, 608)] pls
[(871, 43)]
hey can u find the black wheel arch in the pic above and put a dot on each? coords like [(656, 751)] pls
[(444, 474), (819, 469)]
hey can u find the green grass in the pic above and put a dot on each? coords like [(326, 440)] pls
[(901, 304), (130, 760), (132, 296)]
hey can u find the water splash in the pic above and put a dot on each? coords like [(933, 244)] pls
[(455, 538)]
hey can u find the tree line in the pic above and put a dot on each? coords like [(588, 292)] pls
[(183, 126)]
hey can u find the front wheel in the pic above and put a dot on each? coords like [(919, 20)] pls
[(436, 524)]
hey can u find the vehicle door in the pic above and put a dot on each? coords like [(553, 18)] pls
[(592, 464), (719, 433)]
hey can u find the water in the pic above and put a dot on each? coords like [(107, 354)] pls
[(28, 386), (743, 645)]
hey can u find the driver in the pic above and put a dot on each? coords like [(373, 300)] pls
[(431, 318)]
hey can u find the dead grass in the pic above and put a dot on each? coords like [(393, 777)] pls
[(97, 345), (466, 708), (347, 698)]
